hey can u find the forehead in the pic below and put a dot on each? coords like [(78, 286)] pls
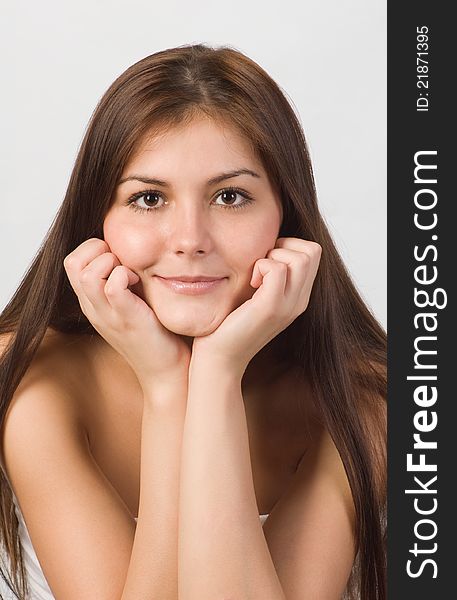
[(202, 145)]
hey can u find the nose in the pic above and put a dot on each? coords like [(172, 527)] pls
[(189, 229)]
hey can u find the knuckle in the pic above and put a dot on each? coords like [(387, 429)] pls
[(283, 270), (305, 260), (95, 244), (317, 248), (95, 241), (109, 289), (102, 246), (114, 259), (69, 261), (85, 276), (281, 267)]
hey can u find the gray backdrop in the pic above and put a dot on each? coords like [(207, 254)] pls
[(328, 56)]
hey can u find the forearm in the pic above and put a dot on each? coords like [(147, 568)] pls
[(222, 549), (153, 569)]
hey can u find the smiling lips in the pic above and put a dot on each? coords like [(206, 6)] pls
[(191, 284)]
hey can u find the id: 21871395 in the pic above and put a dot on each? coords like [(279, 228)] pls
[(422, 70)]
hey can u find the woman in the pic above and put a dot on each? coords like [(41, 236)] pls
[(132, 390)]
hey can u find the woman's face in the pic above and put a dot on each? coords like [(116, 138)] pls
[(186, 225)]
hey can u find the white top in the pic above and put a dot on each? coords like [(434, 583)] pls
[(39, 588)]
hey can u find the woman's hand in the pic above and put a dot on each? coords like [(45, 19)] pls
[(284, 280), (121, 317)]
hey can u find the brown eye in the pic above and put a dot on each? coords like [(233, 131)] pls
[(229, 198), (149, 198)]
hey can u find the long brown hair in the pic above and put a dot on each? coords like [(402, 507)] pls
[(337, 341)]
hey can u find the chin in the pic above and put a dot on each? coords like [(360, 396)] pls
[(191, 325)]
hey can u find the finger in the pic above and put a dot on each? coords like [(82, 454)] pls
[(118, 294), (291, 243), (312, 249), (298, 264), (270, 277), (77, 260), (93, 279)]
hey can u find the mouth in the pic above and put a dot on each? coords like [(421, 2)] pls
[(191, 285)]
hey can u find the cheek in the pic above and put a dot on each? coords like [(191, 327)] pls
[(254, 242), (134, 247)]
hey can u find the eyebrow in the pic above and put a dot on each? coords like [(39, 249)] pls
[(212, 181)]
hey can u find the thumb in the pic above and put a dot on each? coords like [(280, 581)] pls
[(132, 277), (257, 277), (261, 268)]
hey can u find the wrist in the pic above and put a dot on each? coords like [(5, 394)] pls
[(213, 366), (166, 389)]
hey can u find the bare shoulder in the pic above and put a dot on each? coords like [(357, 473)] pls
[(321, 450), (313, 523), (50, 384)]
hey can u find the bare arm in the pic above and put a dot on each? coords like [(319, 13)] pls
[(222, 549), (153, 569)]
